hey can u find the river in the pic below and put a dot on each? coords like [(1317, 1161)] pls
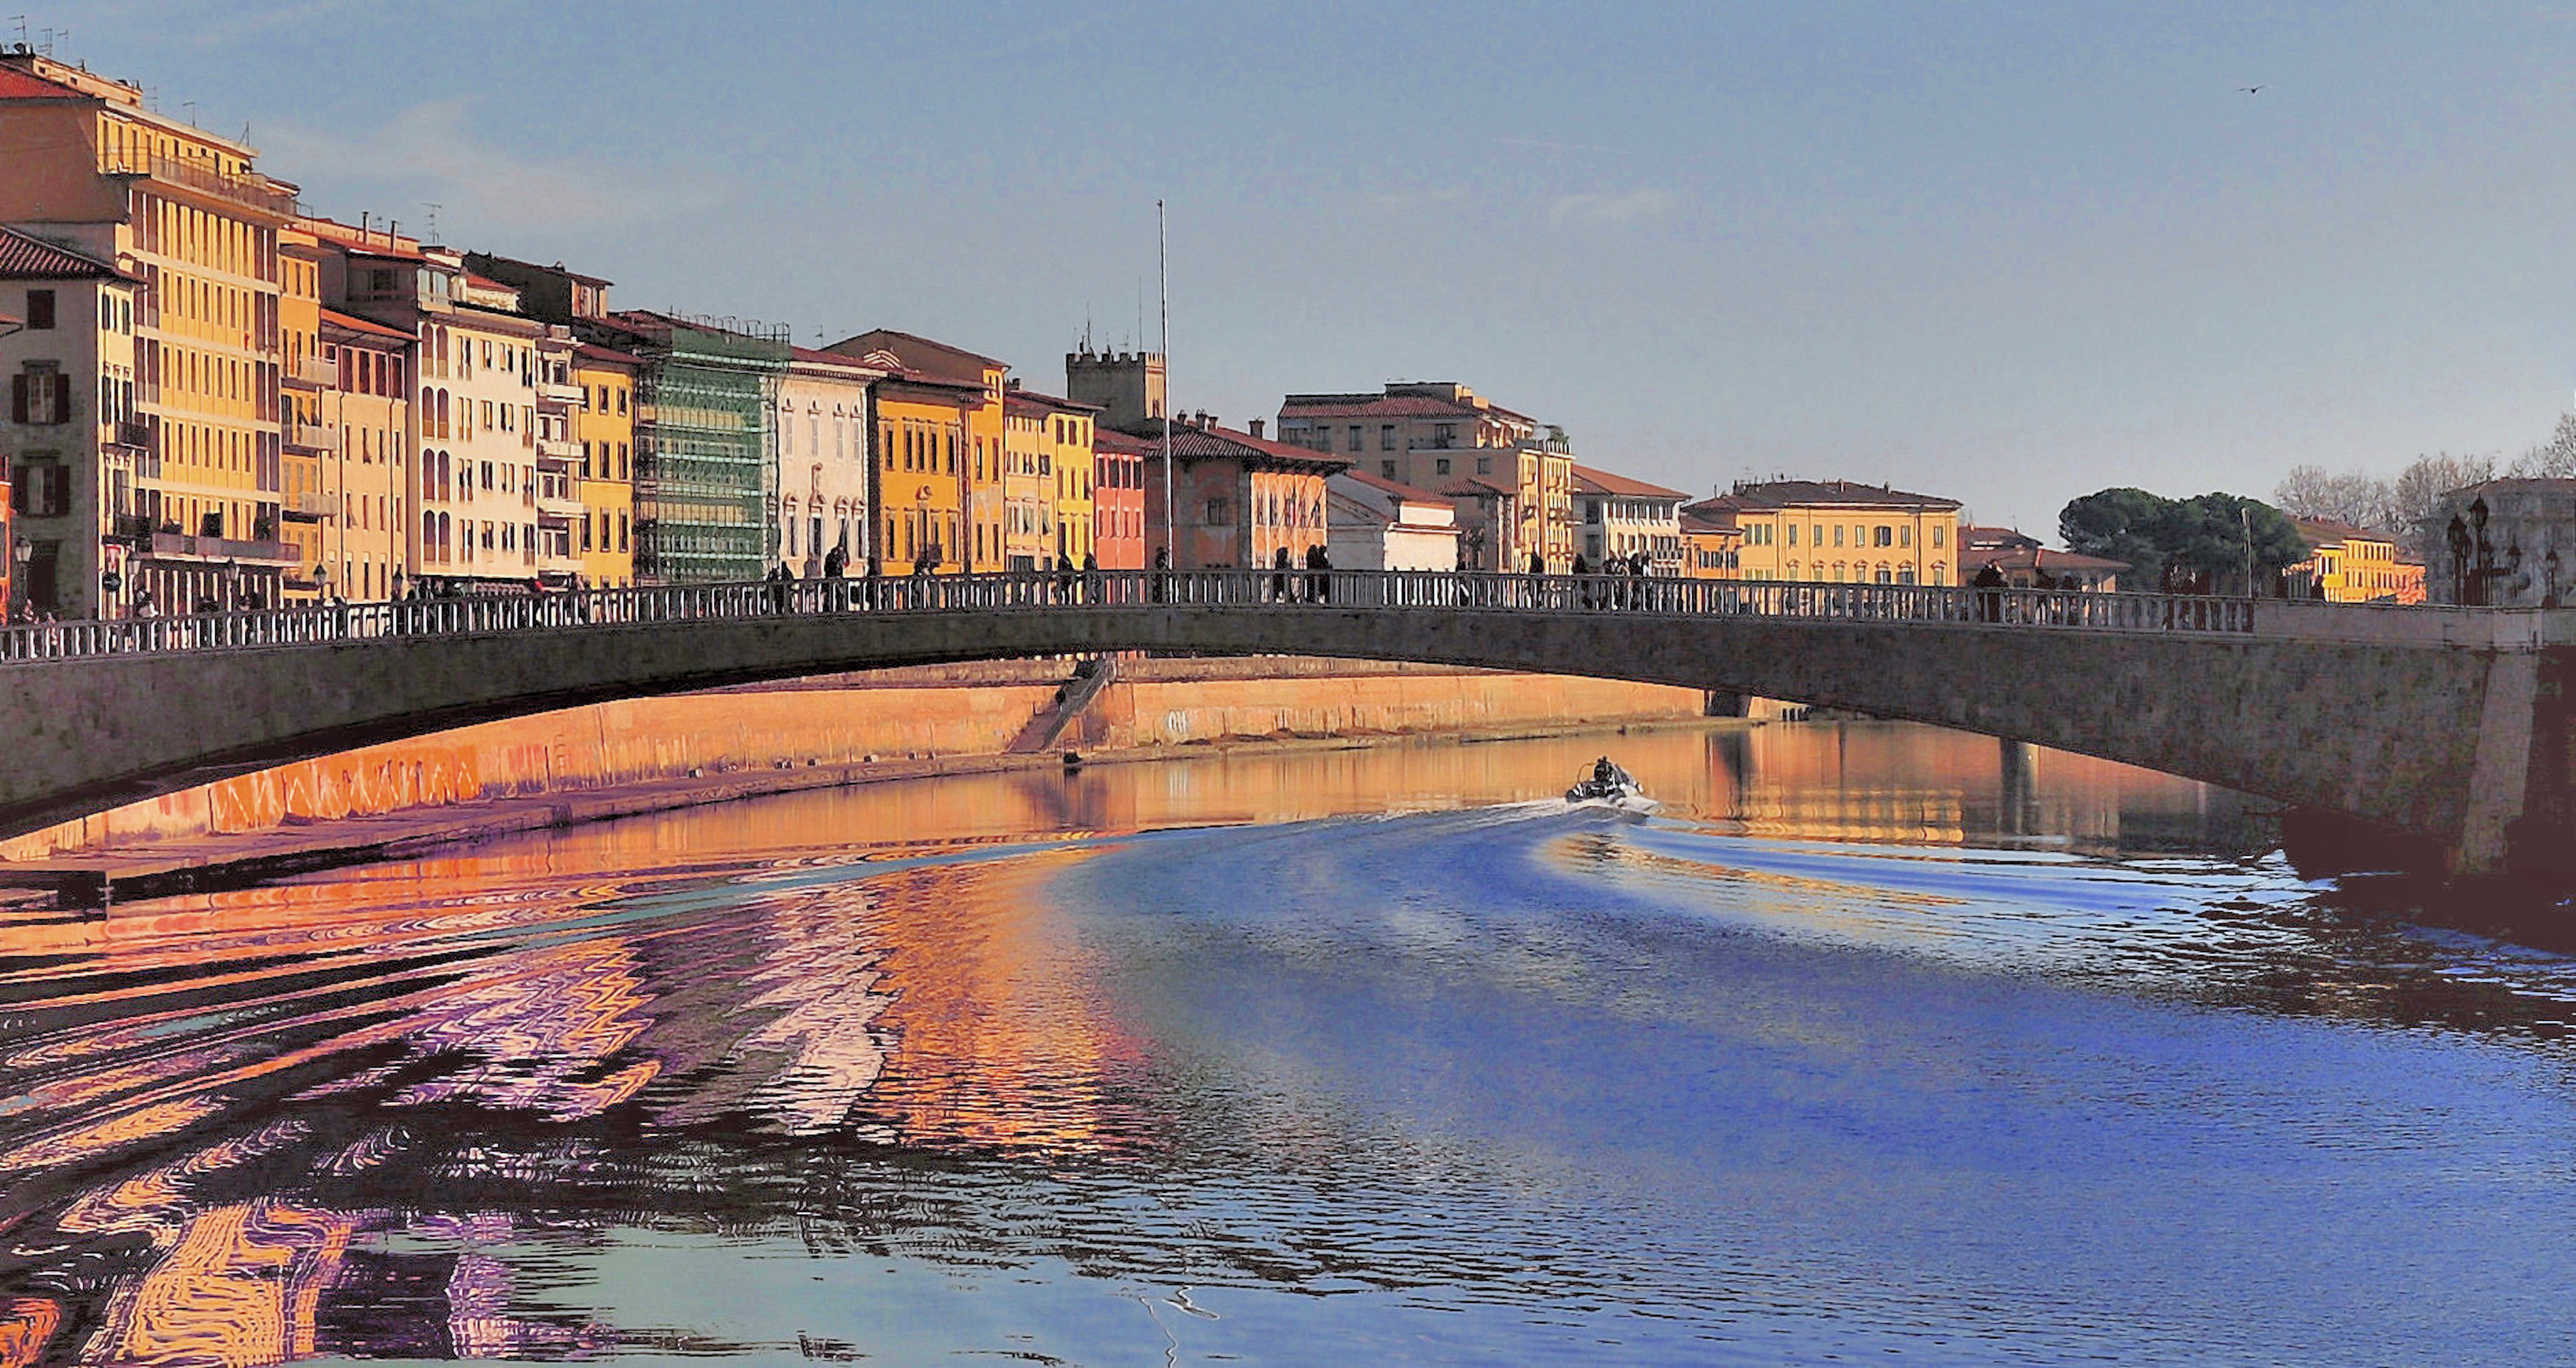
[(1878, 1041)]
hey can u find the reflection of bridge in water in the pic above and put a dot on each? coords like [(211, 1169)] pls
[(2448, 723)]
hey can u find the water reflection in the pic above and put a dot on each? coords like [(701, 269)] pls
[(1827, 1058)]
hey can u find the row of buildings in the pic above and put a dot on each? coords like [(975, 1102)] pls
[(219, 399)]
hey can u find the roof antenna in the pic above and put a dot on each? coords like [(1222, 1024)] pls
[(432, 233), (21, 21)]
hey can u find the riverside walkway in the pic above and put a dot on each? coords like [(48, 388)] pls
[(2448, 723)]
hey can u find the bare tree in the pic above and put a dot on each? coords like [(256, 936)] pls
[(2419, 488), (2554, 459), (2312, 491)]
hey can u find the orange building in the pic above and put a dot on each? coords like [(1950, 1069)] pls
[(1238, 499)]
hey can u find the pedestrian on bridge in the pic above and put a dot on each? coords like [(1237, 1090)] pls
[(1279, 567)]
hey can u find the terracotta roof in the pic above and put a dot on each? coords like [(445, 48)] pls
[(607, 356), (1395, 487), (2038, 558), (1710, 520), (826, 358), (1470, 487), (919, 353), (1016, 396), (1805, 493), (555, 270), (26, 85), (1374, 406), (1976, 538), (1125, 444), (363, 326), (1193, 443), (26, 257), (2327, 532), (1592, 480)]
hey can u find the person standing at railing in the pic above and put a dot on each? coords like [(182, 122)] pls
[(1279, 567), (1162, 573), (1090, 578), (836, 566), (1990, 593), (1319, 579)]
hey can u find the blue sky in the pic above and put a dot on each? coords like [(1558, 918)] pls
[(2005, 252)]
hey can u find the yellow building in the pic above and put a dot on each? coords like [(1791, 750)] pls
[(306, 444), (185, 210), (919, 494), (1047, 479), (1838, 532), (2348, 564), (973, 535), (1712, 545), (366, 491), (604, 424)]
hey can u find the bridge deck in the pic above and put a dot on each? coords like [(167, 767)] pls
[(2051, 610)]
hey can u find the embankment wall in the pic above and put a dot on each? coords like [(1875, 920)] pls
[(896, 714)]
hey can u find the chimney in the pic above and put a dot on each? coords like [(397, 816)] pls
[(1255, 428)]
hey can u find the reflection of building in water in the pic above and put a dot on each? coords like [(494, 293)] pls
[(995, 1036)]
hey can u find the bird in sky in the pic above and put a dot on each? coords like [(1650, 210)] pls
[(2251, 90)]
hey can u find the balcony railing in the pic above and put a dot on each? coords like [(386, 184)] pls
[(310, 436), (130, 432), (313, 372), (558, 449), (183, 546), (248, 189), (310, 505), (550, 392)]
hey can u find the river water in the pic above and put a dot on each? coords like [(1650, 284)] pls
[(1877, 1042)]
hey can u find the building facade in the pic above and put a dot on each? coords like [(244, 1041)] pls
[(1118, 498), (1238, 500), (1436, 434), (1618, 516), (187, 213), (2503, 544), (2348, 564), (976, 541), (2022, 563), (1712, 545), (1126, 387), (823, 459), (605, 427), (705, 466), (75, 440), (1374, 523), (1839, 532), (367, 486)]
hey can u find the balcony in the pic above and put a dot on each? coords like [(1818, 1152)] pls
[(309, 436), (179, 546), (250, 190), (133, 433), (310, 505), (559, 449), (133, 529), (550, 392), (312, 372)]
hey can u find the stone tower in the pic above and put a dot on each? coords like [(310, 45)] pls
[(1128, 386)]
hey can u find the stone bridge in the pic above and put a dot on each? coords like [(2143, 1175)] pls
[(2448, 724)]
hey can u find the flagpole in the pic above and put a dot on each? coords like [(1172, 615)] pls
[(1163, 286)]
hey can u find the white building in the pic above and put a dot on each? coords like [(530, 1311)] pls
[(1618, 516), (1374, 523), (73, 436), (821, 495)]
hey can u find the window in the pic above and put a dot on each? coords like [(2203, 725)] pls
[(1940, 534), (1353, 442), (1386, 469), (1793, 534), (1484, 465), (1905, 535), (40, 310), (1386, 436), (42, 488), (1884, 535), (40, 395), (1444, 435), (1838, 534), (1440, 466), (1217, 513)]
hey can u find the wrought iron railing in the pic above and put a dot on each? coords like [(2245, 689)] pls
[(1139, 590)]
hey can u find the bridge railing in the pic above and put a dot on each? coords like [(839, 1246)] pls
[(1131, 589)]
